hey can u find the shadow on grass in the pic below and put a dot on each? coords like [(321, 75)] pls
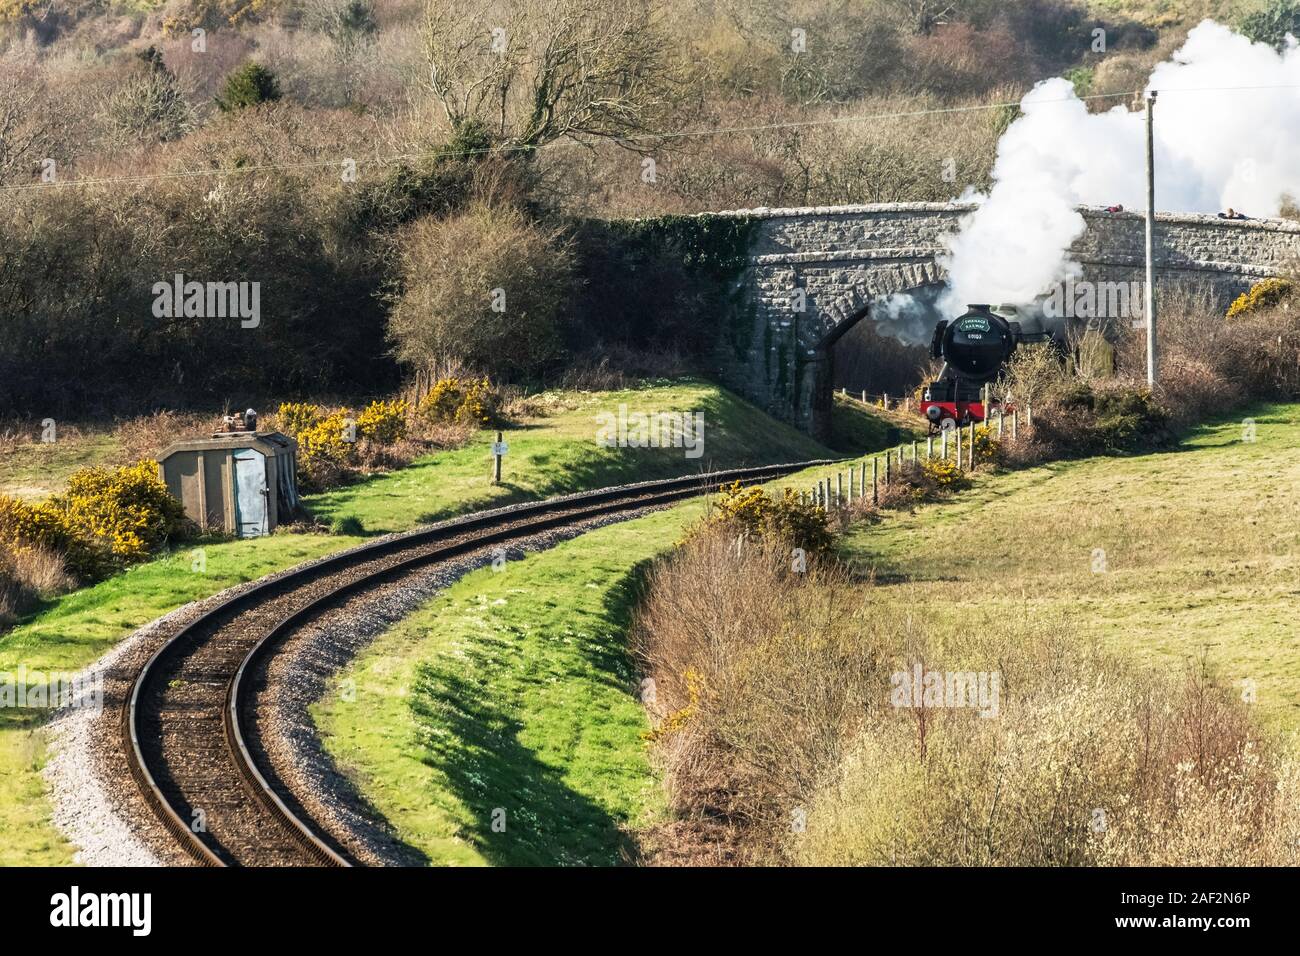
[(520, 810), (468, 711)]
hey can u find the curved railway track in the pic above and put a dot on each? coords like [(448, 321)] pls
[(188, 743)]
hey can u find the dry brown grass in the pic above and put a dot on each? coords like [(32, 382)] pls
[(28, 575), (721, 634), (147, 435), (780, 744)]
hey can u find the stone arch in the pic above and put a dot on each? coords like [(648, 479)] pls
[(842, 314), (874, 283)]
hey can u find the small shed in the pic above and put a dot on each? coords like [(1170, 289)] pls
[(242, 483)]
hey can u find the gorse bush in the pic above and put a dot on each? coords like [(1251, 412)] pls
[(785, 519), (293, 417), (474, 402), (105, 520), (333, 446), (327, 446), (384, 422), (1263, 295), (943, 472)]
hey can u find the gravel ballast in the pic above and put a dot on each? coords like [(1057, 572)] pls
[(97, 804)]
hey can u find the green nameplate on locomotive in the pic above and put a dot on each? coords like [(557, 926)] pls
[(973, 325)]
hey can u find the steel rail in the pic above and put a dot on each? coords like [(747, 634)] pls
[(498, 525)]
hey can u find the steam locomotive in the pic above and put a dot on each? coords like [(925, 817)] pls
[(974, 347)]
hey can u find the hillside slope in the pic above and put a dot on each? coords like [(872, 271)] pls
[(1176, 556)]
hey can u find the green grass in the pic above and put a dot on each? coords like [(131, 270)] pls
[(77, 629), (1196, 550), (558, 454), (37, 470), (856, 428), (511, 690), (549, 455)]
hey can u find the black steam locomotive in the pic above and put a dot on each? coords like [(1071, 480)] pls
[(974, 347)]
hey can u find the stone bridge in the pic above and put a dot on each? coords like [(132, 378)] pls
[(838, 260)]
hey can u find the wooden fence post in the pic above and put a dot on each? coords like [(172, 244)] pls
[(864, 396), (888, 467), (875, 489), (839, 488), (1015, 421), (929, 446), (914, 451), (1000, 417), (853, 479), (971, 453), (943, 443), (957, 434)]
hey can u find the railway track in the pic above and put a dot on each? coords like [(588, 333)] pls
[(189, 744)]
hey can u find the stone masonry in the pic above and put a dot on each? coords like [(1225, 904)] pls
[(812, 274)]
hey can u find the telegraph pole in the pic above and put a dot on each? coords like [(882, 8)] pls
[(1150, 298)]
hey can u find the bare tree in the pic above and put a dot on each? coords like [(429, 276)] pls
[(922, 16), (539, 71), (28, 123)]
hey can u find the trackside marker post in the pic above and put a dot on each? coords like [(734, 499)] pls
[(499, 449)]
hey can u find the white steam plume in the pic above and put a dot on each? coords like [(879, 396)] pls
[(1215, 148)]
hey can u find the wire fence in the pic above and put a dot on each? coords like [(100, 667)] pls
[(869, 476)]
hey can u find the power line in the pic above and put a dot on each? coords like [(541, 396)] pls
[(506, 148), (678, 134)]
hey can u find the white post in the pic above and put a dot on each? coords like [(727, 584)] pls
[(1150, 299)]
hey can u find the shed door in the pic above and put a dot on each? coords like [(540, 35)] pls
[(250, 493)]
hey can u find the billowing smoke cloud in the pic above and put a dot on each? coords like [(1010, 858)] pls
[(1217, 145)]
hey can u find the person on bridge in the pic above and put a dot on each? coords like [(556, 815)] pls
[(1232, 214)]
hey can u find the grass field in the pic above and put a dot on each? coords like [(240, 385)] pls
[(557, 454), (36, 470), (511, 690), (1170, 556), (514, 690), (550, 455)]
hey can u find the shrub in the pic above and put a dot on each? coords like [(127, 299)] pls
[(293, 417), (326, 449), (774, 693), (485, 287), (785, 520), (149, 106), (384, 422), (942, 472), (28, 574), (474, 402), (1081, 420), (105, 520), (1263, 295), (249, 85), (347, 525)]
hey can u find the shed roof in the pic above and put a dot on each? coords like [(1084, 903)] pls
[(268, 443)]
